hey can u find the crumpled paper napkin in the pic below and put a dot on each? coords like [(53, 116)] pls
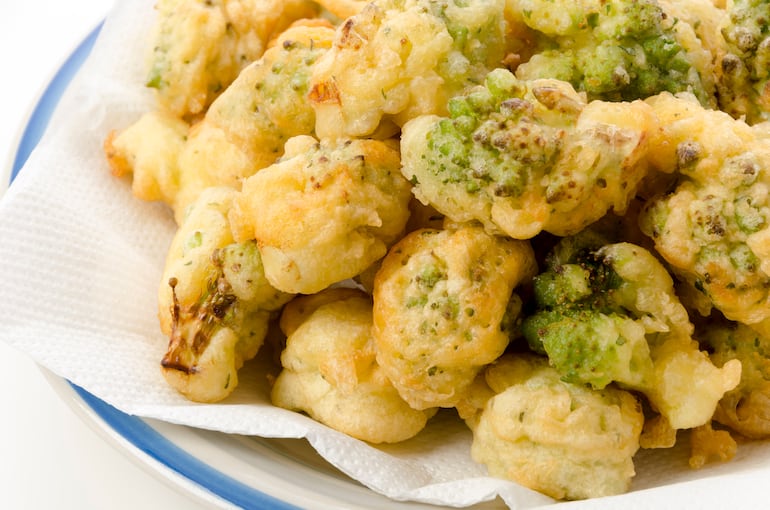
[(80, 261)]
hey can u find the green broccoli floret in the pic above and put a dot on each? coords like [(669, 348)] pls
[(613, 50), (525, 156), (608, 313)]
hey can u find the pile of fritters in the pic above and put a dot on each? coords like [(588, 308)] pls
[(550, 216)]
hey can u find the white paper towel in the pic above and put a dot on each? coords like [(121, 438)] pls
[(80, 261)]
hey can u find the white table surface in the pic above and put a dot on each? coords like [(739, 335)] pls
[(49, 456)]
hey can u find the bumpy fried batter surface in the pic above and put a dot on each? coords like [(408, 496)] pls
[(247, 126), (745, 409), (331, 373), (325, 212), (397, 59), (616, 49), (214, 302), (522, 157), (743, 70), (148, 152), (564, 440), (199, 47), (713, 229), (442, 308), (243, 131), (608, 313), (343, 9)]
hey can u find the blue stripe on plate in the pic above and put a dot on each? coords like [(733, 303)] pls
[(147, 439), (133, 429)]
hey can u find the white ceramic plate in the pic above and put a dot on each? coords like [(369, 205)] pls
[(219, 470)]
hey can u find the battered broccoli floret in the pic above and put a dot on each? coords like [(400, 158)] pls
[(608, 313), (713, 227), (525, 156), (214, 302), (397, 59), (565, 440), (744, 73), (745, 409), (614, 50)]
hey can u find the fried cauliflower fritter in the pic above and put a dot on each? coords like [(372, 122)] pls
[(331, 373), (325, 212), (562, 439), (522, 157), (397, 59), (745, 409), (200, 46), (744, 69), (608, 313), (616, 49), (442, 306), (214, 302), (243, 131), (713, 228)]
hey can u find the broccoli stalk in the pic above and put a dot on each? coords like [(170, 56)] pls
[(608, 313), (211, 338)]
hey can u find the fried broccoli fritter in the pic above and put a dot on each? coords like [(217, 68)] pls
[(199, 46), (525, 156), (148, 153), (243, 131), (397, 59), (566, 440), (608, 313), (443, 307), (214, 302), (331, 373), (713, 228), (246, 128), (744, 70), (325, 212), (745, 409), (616, 49)]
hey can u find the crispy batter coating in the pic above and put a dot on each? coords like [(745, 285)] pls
[(331, 373), (200, 46), (243, 131), (743, 71), (522, 157), (442, 305), (214, 302), (608, 313), (713, 229), (343, 9), (325, 212), (148, 152), (745, 409), (397, 59), (562, 439), (708, 444), (616, 49)]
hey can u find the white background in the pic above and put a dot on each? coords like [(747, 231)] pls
[(49, 456)]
